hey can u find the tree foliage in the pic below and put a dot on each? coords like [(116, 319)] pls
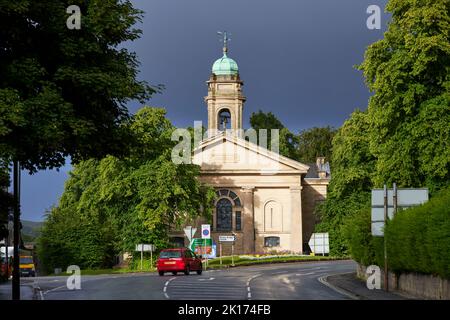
[(63, 92), (408, 71), (315, 142), (304, 147), (404, 136), (139, 199)]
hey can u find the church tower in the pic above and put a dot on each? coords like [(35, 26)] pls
[(225, 99)]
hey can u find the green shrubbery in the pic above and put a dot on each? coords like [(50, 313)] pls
[(418, 239)]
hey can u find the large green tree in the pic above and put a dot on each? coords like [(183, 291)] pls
[(64, 92), (409, 73), (133, 200), (352, 169), (315, 142)]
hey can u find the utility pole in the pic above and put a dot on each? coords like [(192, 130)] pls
[(16, 235), (386, 278)]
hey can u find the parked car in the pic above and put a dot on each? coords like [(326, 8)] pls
[(178, 260)]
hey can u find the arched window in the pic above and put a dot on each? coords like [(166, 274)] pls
[(227, 207), (224, 120), (224, 211)]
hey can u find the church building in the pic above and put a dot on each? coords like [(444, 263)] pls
[(266, 200)]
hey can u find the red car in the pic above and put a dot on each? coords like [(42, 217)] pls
[(178, 260)]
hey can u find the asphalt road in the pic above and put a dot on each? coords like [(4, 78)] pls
[(277, 281)]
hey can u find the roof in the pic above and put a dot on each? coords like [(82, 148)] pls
[(225, 66), (295, 165)]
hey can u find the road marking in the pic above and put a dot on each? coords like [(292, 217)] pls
[(324, 281), (166, 285), (249, 295), (280, 272), (304, 274), (203, 279)]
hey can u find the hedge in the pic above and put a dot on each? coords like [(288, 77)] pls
[(418, 239)]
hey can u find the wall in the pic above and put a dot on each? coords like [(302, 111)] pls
[(419, 285)]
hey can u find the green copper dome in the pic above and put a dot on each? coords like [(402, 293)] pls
[(225, 66)]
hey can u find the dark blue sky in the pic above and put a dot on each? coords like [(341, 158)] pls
[(296, 58)]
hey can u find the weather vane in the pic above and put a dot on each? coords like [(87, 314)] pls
[(225, 37)]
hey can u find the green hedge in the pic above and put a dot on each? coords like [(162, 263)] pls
[(418, 239)]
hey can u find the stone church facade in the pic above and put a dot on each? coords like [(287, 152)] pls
[(266, 200)]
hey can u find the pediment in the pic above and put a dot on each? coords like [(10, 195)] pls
[(226, 153)]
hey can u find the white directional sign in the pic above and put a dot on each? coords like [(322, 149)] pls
[(206, 231), (319, 243), (145, 247), (190, 232), (405, 198), (227, 238)]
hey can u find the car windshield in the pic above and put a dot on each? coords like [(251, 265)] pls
[(170, 254), (26, 260)]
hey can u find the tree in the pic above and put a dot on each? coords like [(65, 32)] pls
[(133, 200), (315, 142), (268, 121), (408, 71), (349, 190), (63, 92)]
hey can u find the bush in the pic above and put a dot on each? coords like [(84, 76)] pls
[(418, 239)]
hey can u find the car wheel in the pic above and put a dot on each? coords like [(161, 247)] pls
[(187, 271), (199, 272), (174, 273), (161, 273)]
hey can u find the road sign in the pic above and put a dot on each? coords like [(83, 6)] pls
[(320, 243), (203, 247), (145, 247), (206, 231), (190, 232), (227, 238), (395, 199)]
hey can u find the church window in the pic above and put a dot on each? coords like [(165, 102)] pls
[(224, 211), (227, 210), (238, 221), (271, 241)]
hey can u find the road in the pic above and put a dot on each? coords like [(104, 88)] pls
[(290, 281)]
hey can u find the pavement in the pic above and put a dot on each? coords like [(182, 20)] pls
[(26, 291), (291, 281)]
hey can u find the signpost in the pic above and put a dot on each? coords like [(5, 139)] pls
[(385, 204), (231, 239), (320, 243), (206, 234), (146, 248), (189, 231)]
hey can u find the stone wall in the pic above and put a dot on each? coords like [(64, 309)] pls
[(419, 285)]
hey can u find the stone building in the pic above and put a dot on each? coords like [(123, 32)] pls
[(263, 198)]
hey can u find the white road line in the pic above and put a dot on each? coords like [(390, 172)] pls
[(324, 281), (249, 295), (304, 274), (166, 285)]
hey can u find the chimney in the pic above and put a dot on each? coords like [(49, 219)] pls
[(321, 170)]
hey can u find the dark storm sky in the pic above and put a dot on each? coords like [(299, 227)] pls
[(295, 57)]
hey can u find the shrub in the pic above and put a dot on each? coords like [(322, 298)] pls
[(418, 239)]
